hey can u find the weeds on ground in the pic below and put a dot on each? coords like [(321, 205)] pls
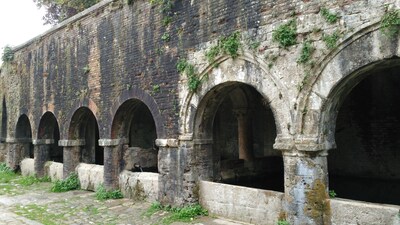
[(103, 194), (176, 214), (70, 183), (29, 180), (6, 174)]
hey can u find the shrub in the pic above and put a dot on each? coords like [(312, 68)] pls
[(103, 194), (286, 34), (70, 183)]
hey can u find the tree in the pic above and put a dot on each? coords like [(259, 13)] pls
[(60, 10)]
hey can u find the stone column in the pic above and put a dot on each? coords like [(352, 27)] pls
[(244, 134), (71, 155), (112, 161), (171, 166), (18, 149), (41, 152), (306, 183)]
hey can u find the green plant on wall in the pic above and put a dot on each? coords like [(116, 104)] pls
[(166, 37), (8, 54), (285, 34), (331, 18), (306, 51), (331, 40), (184, 67), (390, 22), (228, 45)]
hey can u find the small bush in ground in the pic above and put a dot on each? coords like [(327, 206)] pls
[(6, 173), (184, 214), (103, 194), (70, 183)]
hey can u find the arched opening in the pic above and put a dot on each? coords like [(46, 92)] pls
[(84, 126), (23, 135), (134, 123), (3, 121), (366, 164), (48, 129), (234, 135)]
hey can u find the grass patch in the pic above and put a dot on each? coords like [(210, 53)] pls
[(37, 213), (6, 174), (103, 194), (29, 180), (70, 183), (176, 214), (286, 34)]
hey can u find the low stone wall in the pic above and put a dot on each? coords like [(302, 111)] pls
[(90, 176), (241, 203), (139, 185), (27, 167), (54, 170), (346, 212)]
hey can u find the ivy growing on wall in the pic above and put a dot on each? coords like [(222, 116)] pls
[(390, 22)]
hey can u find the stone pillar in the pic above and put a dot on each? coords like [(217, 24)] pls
[(71, 155), (244, 134), (171, 166), (306, 181), (112, 161), (18, 149), (41, 153)]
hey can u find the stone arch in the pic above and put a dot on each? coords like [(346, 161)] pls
[(134, 123), (340, 72), (234, 131), (360, 60), (83, 126), (49, 130), (137, 94), (67, 120), (23, 135), (248, 69)]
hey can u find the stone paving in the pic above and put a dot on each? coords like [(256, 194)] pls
[(36, 205)]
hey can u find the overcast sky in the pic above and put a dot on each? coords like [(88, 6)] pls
[(20, 20)]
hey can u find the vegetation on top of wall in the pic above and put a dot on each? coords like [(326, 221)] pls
[(8, 54), (286, 34), (331, 18), (228, 45), (390, 22)]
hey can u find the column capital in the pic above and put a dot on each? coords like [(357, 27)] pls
[(171, 142), (112, 142), (18, 140), (42, 141), (71, 143)]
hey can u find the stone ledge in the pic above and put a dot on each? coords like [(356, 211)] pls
[(71, 143), (42, 141), (167, 142), (18, 140), (112, 142)]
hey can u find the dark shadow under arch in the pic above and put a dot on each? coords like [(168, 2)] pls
[(135, 124), (366, 164), (234, 133), (49, 129), (84, 126), (23, 134)]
